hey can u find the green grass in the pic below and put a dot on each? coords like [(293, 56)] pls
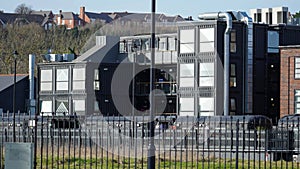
[(130, 163)]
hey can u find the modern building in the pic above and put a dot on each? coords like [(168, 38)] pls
[(223, 60), (6, 93), (276, 15)]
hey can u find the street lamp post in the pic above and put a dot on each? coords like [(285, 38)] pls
[(151, 148), (14, 95)]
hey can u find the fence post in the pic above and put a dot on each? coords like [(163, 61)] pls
[(237, 146)]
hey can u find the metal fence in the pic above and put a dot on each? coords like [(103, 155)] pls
[(183, 142)]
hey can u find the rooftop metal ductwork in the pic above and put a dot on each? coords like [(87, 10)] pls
[(227, 16)]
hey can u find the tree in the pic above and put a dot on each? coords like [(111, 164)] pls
[(23, 9), (297, 15)]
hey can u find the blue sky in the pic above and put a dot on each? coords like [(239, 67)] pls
[(171, 7)]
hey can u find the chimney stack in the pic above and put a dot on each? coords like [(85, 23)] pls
[(82, 13)]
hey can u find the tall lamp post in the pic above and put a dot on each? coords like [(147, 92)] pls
[(14, 95), (151, 148)]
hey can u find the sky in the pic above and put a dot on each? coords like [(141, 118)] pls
[(184, 8)]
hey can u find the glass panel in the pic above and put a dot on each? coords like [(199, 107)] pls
[(207, 113), (62, 106), (79, 85), (206, 81), (232, 70), (233, 36), (206, 69), (172, 44), (207, 35), (297, 60), (207, 47), (297, 76), (62, 75), (79, 74), (297, 71), (46, 86), (273, 39), (96, 74), (232, 104), (233, 47), (46, 106), (187, 82), (62, 86), (233, 82), (186, 104), (79, 105), (187, 69), (187, 36), (190, 113), (187, 48), (163, 44), (96, 85), (206, 104), (96, 106), (297, 92), (46, 75)]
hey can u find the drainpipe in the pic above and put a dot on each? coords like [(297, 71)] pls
[(227, 16), (31, 84)]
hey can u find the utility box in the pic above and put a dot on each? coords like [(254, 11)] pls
[(19, 155)]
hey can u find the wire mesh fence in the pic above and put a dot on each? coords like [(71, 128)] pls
[(181, 142)]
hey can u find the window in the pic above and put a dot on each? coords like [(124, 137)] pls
[(259, 17), (46, 80), (273, 42), (207, 36), (62, 76), (62, 105), (96, 80), (297, 101), (123, 47), (163, 44), (206, 106), (233, 41), (78, 79), (206, 75), (172, 44), (186, 107), (186, 75), (232, 106), (232, 75), (297, 68), (46, 106), (187, 41), (78, 105)]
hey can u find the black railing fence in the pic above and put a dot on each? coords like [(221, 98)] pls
[(181, 142)]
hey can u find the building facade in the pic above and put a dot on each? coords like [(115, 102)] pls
[(290, 80), (190, 71)]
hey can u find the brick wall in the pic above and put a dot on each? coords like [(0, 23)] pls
[(288, 83)]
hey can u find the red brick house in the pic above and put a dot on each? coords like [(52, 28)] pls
[(69, 19), (290, 80)]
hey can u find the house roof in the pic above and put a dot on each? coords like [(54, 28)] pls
[(43, 13), (68, 16), (8, 80), (8, 18), (142, 17), (101, 16)]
